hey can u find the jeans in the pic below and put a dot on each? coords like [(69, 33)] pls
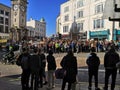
[(51, 78)]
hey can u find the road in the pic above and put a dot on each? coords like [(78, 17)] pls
[(10, 74)]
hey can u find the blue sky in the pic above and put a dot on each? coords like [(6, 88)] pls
[(49, 9)]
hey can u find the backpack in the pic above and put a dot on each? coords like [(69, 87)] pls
[(24, 62)]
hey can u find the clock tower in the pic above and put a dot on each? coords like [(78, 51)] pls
[(18, 19)]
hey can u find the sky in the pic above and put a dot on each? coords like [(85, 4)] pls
[(49, 9)]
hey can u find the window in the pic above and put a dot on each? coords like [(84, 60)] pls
[(66, 18), (1, 28), (6, 21), (66, 9), (80, 26), (15, 19), (80, 3), (80, 14), (6, 29), (98, 8), (7, 13), (1, 20), (65, 29), (98, 23), (1, 12)]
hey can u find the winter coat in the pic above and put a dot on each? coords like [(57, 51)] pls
[(111, 58), (51, 62), (35, 63), (93, 62), (69, 63)]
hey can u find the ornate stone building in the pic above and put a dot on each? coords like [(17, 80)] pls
[(36, 28), (18, 20)]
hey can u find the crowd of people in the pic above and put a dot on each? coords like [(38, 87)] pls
[(33, 63), (63, 45)]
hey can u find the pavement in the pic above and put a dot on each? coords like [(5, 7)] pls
[(10, 77)]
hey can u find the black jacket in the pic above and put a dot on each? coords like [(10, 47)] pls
[(51, 62), (93, 61), (35, 63), (110, 59), (23, 64), (69, 63)]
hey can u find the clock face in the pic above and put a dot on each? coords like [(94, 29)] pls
[(15, 7), (22, 8)]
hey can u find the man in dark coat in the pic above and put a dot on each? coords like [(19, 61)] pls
[(93, 63), (35, 66), (42, 71), (69, 64), (111, 58), (23, 61)]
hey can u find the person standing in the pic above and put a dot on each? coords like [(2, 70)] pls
[(51, 69), (69, 64), (111, 58), (35, 67), (93, 63), (42, 71), (23, 61)]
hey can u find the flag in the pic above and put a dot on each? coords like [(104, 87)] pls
[(109, 9)]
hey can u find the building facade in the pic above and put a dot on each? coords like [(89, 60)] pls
[(36, 28), (18, 20), (88, 16), (5, 22)]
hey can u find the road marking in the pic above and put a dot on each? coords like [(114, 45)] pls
[(100, 70)]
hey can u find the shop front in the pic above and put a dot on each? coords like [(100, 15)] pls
[(99, 35), (116, 35)]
